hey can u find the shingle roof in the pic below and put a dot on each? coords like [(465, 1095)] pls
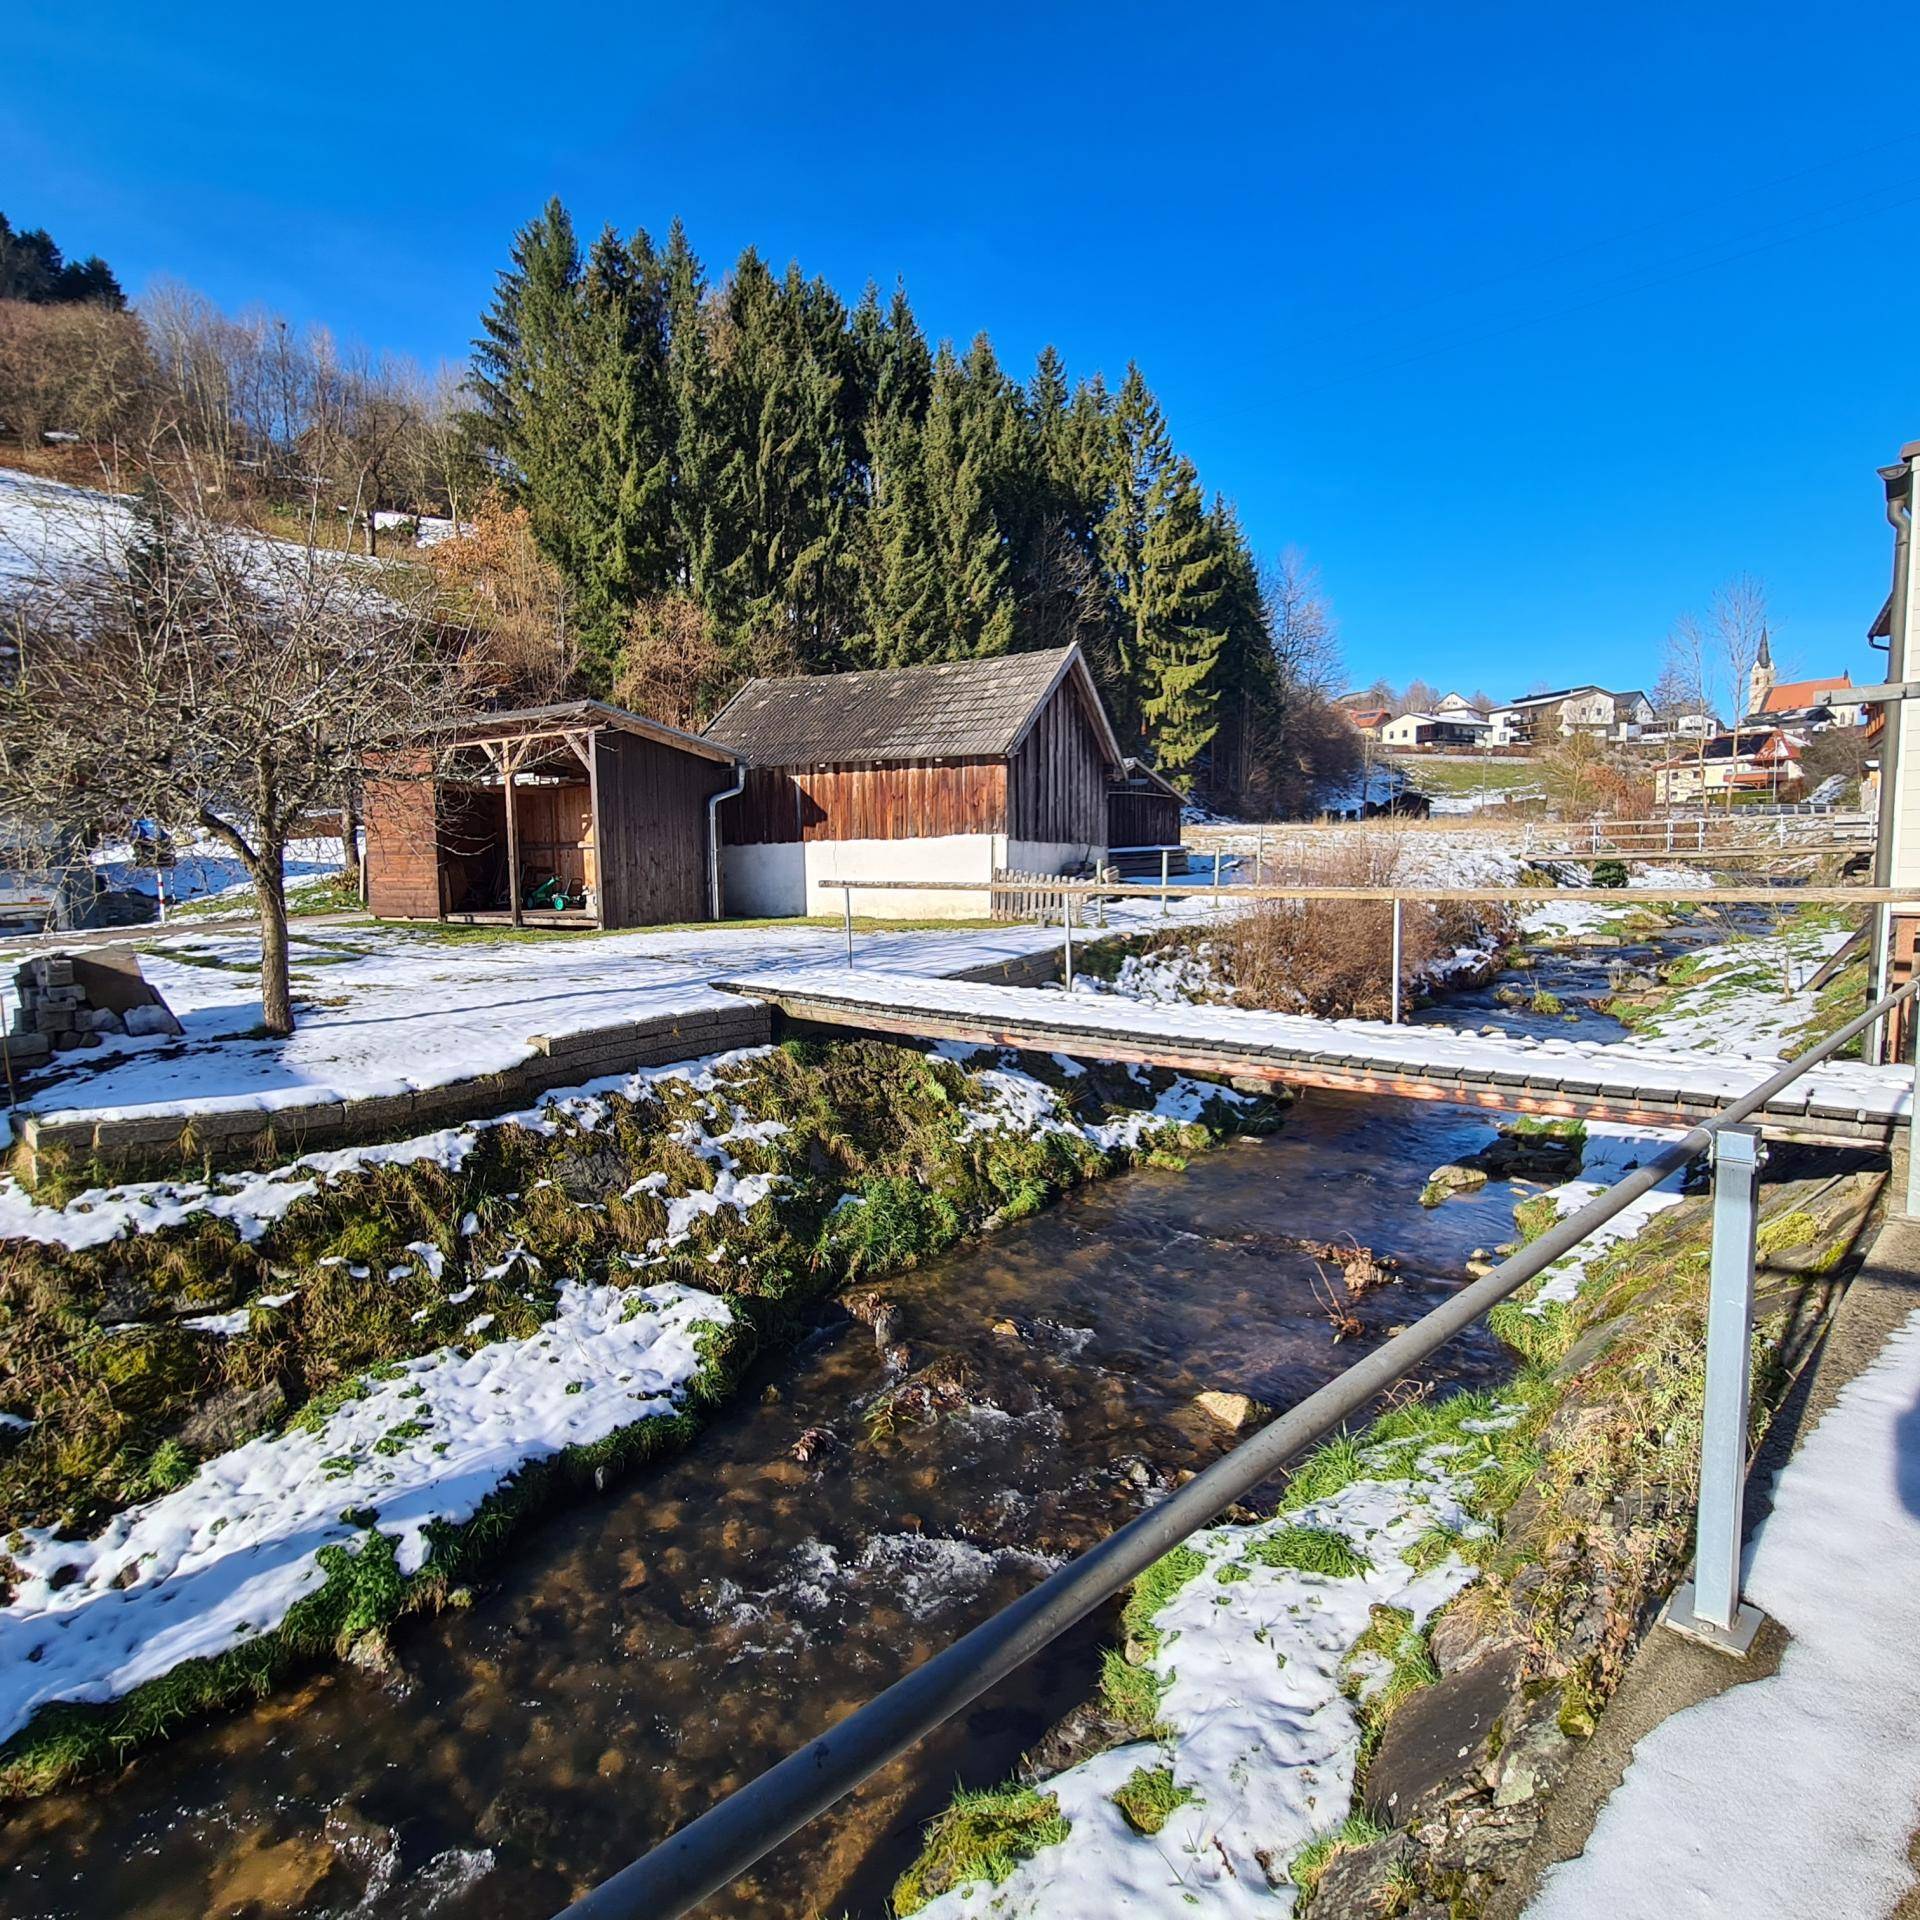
[(953, 710)]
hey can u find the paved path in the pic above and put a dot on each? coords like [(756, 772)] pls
[(1844, 1103), (1769, 1789)]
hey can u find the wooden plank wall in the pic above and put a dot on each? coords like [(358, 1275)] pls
[(1137, 818), (403, 854), (926, 799), (1058, 786), (653, 829)]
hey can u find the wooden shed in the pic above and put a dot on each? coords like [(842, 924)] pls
[(1143, 817), (949, 772), (579, 814)]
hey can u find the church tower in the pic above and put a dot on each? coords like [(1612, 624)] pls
[(1760, 680)]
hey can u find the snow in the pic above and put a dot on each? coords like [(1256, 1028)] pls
[(253, 1201), (220, 1560), (386, 1010), (1105, 1020), (1611, 1151), (1794, 1794), (1263, 1732)]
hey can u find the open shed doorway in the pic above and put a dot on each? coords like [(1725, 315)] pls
[(547, 843)]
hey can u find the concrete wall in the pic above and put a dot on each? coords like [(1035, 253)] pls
[(768, 881)]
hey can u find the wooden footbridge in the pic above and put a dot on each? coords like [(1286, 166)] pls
[(1839, 1104)]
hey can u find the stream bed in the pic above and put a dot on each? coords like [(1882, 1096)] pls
[(630, 1661)]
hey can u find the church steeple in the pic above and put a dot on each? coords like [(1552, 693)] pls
[(1760, 680)]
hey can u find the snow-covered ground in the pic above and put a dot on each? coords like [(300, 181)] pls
[(1751, 1019), (1796, 1794), (388, 1010), (221, 1560), (1255, 1663)]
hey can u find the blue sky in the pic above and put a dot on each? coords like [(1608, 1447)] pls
[(1528, 324)]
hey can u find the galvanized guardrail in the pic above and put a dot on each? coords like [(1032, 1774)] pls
[(749, 1823)]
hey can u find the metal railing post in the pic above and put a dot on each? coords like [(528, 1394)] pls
[(1216, 879), (1166, 899), (1394, 963), (1709, 1607), (1066, 928), (846, 896)]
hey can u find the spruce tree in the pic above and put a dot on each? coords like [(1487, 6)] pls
[(967, 543), (1182, 583)]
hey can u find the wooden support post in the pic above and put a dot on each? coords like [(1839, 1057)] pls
[(509, 762)]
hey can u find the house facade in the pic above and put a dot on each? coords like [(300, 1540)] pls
[(1762, 761), (1540, 718), (946, 773), (1456, 728)]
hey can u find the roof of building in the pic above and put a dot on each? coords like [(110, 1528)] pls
[(569, 716), (1567, 693), (1138, 775), (1790, 696), (1367, 718), (952, 710)]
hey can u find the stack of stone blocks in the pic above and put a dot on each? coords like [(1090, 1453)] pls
[(52, 1013)]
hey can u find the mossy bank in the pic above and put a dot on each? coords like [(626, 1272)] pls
[(767, 1179)]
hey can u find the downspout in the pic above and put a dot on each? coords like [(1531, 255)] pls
[(713, 835)]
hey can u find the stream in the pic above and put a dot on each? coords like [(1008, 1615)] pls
[(630, 1661)]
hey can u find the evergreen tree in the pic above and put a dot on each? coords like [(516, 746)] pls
[(1138, 455), (1182, 583), (968, 548)]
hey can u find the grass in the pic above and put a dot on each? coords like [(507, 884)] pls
[(1310, 1550), (1130, 1689), (1148, 1798), (1309, 1866), (981, 1836)]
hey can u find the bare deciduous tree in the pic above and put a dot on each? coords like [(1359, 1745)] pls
[(1710, 660), (671, 666), (181, 672)]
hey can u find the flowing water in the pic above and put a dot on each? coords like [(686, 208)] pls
[(635, 1659)]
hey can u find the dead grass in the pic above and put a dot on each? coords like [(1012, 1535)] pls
[(1333, 958)]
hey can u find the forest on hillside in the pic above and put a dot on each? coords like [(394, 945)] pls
[(665, 482)]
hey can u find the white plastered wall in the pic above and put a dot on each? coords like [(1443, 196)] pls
[(767, 882)]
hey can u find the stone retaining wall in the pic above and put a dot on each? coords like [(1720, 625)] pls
[(158, 1144)]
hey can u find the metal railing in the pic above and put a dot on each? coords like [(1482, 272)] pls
[(1397, 897), (750, 1822)]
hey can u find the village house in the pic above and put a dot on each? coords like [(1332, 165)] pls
[(951, 772), (1540, 718), (1457, 728), (1761, 761), (574, 815)]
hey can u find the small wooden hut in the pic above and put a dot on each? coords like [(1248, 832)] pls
[(953, 772), (578, 815), (1143, 817)]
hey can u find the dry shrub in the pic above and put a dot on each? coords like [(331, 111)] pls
[(1333, 958)]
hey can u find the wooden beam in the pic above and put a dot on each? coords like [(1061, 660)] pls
[(510, 759)]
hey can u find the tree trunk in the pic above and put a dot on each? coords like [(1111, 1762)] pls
[(350, 839), (276, 986)]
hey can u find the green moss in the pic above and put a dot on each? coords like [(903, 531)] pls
[(886, 1123), (1148, 1798), (1130, 1695), (1535, 1216), (981, 1836)]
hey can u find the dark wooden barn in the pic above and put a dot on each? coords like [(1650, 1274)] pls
[(1143, 818), (573, 815), (949, 773)]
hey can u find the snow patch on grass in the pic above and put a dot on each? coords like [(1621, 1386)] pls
[(224, 1557)]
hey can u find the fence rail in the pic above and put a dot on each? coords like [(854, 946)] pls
[(750, 1822)]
